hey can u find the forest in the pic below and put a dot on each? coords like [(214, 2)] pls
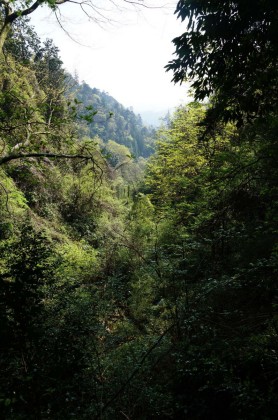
[(138, 266)]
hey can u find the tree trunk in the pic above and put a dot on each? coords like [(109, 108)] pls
[(3, 35)]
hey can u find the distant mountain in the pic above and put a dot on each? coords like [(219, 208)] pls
[(153, 118), (115, 122)]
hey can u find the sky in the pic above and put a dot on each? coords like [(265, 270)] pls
[(122, 50)]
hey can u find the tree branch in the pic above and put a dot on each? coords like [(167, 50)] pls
[(15, 156), (13, 16), (141, 4)]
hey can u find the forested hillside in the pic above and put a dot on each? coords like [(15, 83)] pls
[(134, 288), (114, 122)]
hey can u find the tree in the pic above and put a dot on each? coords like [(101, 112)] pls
[(11, 10), (22, 41), (38, 114), (29, 271), (229, 50), (216, 253)]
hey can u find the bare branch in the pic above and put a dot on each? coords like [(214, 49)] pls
[(15, 156), (141, 4), (66, 32)]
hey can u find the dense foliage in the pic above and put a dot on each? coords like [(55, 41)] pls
[(130, 289), (229, 50), (220, 268)]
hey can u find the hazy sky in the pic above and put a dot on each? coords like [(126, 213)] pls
[(124, 57)]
